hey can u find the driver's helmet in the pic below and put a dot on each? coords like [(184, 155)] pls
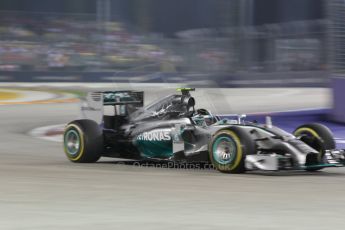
[(202, 117)]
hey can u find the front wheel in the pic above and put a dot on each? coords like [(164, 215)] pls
[(83, 141), (317, 136), (228, 149)]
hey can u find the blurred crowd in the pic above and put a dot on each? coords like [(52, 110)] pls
[(41, 42), (64, 43)]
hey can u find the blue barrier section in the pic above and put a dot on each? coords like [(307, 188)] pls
[(338, 112), (304, 79)]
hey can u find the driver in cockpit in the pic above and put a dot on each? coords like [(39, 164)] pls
[(203, 117)]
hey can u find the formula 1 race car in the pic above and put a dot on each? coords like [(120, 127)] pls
[(116, 124)]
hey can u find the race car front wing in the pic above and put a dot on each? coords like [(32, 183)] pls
[(274, 162)]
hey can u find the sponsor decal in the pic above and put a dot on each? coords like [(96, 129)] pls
[(156, 135), (176, 137)]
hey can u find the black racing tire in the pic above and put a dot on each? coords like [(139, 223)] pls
[(83, 141), (318, 137), (238, 143)]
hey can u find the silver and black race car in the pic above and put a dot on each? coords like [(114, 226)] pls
[(117, 124)]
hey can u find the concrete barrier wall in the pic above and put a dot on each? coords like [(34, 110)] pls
[(277, 79)]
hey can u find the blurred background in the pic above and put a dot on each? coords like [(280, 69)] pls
[(285, 52), (228, 39)]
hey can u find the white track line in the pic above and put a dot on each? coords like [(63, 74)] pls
[(42, 132)]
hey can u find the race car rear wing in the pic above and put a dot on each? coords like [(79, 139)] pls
[(123, 98), (118, 97), (93, 105)]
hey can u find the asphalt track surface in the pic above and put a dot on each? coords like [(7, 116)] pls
[(40, 189)]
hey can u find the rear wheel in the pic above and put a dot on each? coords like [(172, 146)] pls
[(317, 136), (83, 141), (228, 149)]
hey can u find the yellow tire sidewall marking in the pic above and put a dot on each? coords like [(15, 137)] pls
[(305, 129), (81, 136), (313, 132)]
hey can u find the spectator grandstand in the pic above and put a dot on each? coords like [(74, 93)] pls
[(43, 42)]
